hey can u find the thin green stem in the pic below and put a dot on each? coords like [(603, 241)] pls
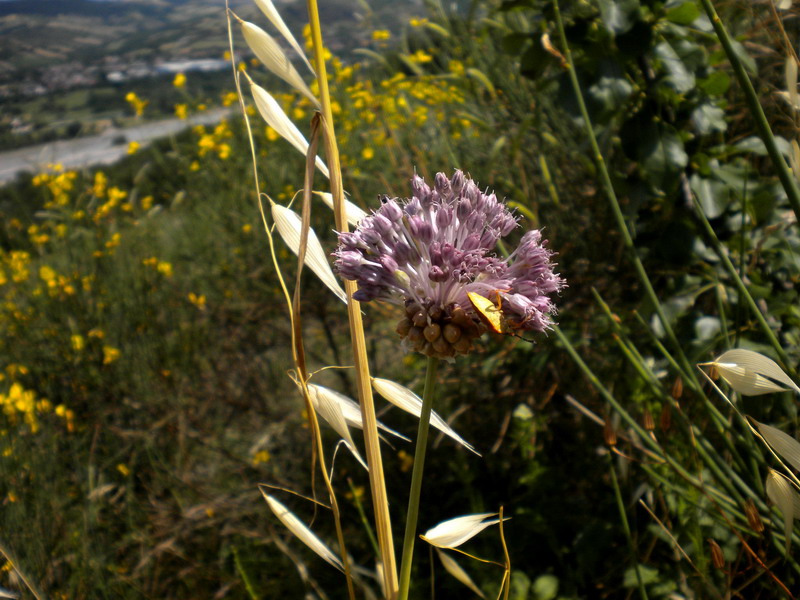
[(742, 288), (751, 97), (416, 478), (248, 584), (608, 187), (626, 527)]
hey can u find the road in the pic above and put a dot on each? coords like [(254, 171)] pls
[(100, 149)]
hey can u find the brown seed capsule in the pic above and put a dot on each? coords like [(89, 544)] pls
[(436, 313), (403, 327), (677, 389), (717, 558), (665, 418), (420, 318), (427, 349), (647, 421), (609, 433), (451, 333), (415, 334), (442, 347), (463, 345), (412, 308), (753, 518), (432, 332)]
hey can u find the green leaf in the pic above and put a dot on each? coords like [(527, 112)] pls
[(663, 153), (649, 575), (545, 587), (748, 62), (679, 78), (708, 118), (683, 14), (513, 43), (713, 195), (619, 15), (610, 91), (715, 84)]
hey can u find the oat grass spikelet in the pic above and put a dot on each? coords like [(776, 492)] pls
[(429, 252)]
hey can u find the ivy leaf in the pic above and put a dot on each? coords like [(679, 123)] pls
[(684, 13), (678, 77), (716, 84), (713, 195), (662, 151), (709, 118), (619, 15)]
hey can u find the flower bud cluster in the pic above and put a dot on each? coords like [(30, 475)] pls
[(429, 251)]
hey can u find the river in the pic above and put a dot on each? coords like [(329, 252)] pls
[(103, 149)]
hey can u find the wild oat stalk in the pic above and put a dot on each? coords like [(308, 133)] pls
[(380, 501), (292, 305)]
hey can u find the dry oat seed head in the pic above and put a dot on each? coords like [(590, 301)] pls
[(781, 492), (782, 443), (269, 10), (404, 399), (751, 373), (451, 566), (454, 532), (353, 213), (273, 114), (329, 409), (273, 58), (351, 411), (290, 225), (303, 533)]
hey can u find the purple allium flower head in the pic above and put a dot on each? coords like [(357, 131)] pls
[(429, 251)]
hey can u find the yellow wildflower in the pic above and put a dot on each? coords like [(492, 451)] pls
[(147, 202), (110, 354), (229, 99), (198, 300), (418, 22), (181, 110), (78, 343), (421, 57), (262, 456), (164, 268), (133, 147), (272, 135), (179, 81), (100, 184), (123, 469), (114, 241), (223, 151), (47, 275), (368, 153), (381, 34)]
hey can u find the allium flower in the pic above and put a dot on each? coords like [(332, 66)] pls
[(428, 252)]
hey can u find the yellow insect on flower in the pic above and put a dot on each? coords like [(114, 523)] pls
[(490, 314)]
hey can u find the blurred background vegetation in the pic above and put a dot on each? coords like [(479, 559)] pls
[(144, 341)]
